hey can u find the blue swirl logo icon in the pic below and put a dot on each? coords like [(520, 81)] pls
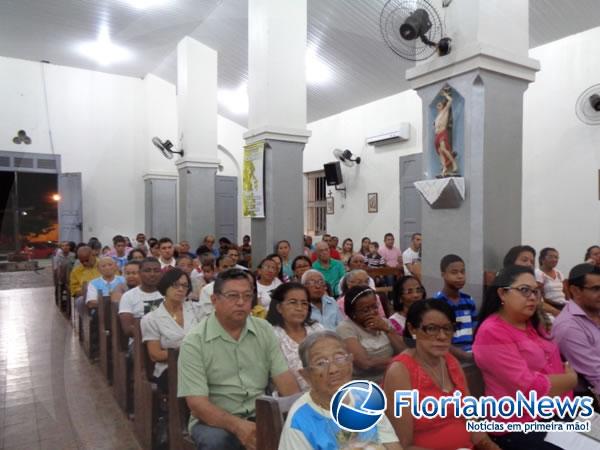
[(358, 405)]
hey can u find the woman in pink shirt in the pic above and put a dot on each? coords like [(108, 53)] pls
[(514, 352)]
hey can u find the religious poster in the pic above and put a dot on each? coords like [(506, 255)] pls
[(253, 196), (447, 137)]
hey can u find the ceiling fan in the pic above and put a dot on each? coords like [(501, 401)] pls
[(587, 107), (166, 148), (346, 157)]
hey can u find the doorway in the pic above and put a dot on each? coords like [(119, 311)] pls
[(28, 212)]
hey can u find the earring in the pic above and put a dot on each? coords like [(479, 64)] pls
[(414, 336)]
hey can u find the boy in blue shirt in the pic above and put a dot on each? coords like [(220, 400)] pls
[(453, 274)]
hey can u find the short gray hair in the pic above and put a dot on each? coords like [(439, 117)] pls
[(309, 272), (309, 342), (350, 275)]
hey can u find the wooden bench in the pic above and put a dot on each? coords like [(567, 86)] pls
[(179, 413), (145, 392), (122, 374), (270, 417), (88, 329), (474, 379), (104, 337)]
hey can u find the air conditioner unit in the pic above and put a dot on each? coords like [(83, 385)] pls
[(399, 134)]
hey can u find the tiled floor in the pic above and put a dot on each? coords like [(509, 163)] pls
[(51, 396)]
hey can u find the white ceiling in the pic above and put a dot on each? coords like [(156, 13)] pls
[(345, 32)]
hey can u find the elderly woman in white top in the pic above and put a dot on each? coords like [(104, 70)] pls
[(289, 313), (166, 326)]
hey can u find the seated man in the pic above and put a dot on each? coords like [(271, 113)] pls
[(82, 273), (131, 273), (166, 250), (223, 263), (576, 329), (120, 252), (139, 301), (333, 270), (225, 363), (105, 284)]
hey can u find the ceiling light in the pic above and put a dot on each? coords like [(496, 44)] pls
[(103, 51), (235, 100), (317, 72), (146, 4)]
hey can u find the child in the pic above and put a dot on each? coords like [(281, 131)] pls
[(104, 285), (453, 273), (374, 259)]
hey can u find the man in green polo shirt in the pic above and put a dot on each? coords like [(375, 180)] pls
[(333, 271), (225, 363)]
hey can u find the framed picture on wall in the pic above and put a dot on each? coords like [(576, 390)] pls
[(330, 205), (372, 202)]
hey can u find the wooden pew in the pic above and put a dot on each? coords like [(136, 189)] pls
[(179, 413), (145, 393), (474, 379), (121, 370), (385, 292), (88, 329), (270, 417), (104, 337)]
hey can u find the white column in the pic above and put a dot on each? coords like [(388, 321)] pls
[(197, 108), (277, 115)]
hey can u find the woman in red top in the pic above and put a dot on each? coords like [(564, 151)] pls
[(433, 371)]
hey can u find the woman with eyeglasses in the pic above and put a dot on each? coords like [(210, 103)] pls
[(429, 367), (166, 326), (289, 313), (369, 337), (407, 290), (301, 264), (327, 366), (515, 353)]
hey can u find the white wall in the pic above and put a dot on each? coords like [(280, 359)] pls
[(97, 127), (561, 155), (380, 167)]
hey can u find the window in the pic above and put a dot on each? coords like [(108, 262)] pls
[(316, 208)]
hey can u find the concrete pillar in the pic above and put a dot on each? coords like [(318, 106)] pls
[(277, 115), (197, 108), (487, 73)]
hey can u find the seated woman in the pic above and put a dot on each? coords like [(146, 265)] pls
[(137, 254), (326, 366), (266, 281), (300, 265), (407, 290), (370, 338), (550, 279), (166, 326), (289, 313), (429, 367), (357, 277), (514, 352)]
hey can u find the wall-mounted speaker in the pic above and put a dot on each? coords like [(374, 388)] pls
[(333, 173)]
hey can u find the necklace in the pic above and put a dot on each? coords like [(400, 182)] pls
[(172, 314), (440, 380)]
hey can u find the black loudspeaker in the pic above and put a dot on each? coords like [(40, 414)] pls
[(333, 173)]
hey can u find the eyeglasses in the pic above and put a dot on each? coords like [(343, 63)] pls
[(177, 285), (434, 330), (526, 291), (594, 289), (340, 360), (413, 291), (314, 283), (297, 303), (236, 296)]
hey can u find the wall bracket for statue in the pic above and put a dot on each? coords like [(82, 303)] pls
[(443, 193)]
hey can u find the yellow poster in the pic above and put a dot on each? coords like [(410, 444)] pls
[(253, 196)]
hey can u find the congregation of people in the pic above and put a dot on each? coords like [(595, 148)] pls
[(310, 320)]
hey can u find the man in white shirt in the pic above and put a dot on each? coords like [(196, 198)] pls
[(412, 256), (141, 300), (223, 263), (165, 247)]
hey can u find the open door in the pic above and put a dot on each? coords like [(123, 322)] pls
[(70, 215)]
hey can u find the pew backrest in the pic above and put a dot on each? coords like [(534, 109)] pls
[(270, 417)]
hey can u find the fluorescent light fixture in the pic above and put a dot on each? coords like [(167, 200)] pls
[(317, 72), (235, 100), (103, 51), (147, 4)]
